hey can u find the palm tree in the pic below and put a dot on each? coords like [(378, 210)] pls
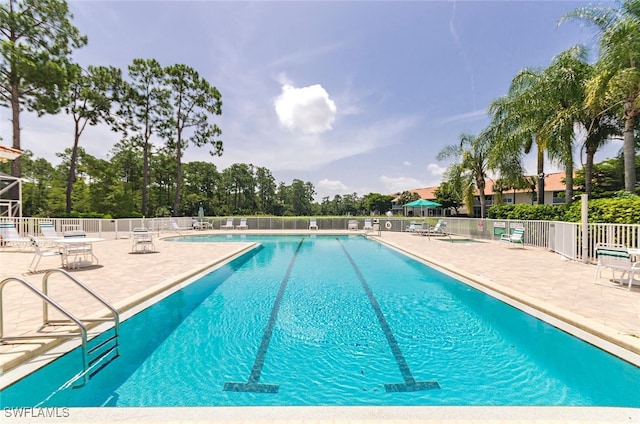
[(515, 127), (472, 166), (542, 107), (615, 84), (563, 91), (599, 128)]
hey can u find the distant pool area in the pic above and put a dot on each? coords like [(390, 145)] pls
[(328, 345)]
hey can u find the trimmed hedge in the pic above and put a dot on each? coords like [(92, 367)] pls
[(623, 210)]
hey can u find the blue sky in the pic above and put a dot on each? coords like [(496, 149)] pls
[(351, 96)]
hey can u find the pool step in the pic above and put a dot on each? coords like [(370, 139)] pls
[(110, 341), (102, 361), (102, 350)]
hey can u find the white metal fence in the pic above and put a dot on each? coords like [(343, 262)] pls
[(564, 238)]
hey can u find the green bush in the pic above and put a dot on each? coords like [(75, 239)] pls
[(623, 209), (527, 212), (81, 215)]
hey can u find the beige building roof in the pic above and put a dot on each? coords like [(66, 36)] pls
[(552, 182)]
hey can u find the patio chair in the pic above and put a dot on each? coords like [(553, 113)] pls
[(201, 225), (515, 238), (367, 225), (616, 258), (243, 224), (142, 241), (74, 254), (43, 253), (74, 233), (9, 236), (352, 224), (313, 224), (229, 225)]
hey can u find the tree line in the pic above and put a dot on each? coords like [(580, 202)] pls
[(113, 187)]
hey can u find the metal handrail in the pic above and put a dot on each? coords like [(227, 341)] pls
[(45, 290), (46, 300)]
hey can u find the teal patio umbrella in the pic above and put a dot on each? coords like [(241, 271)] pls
[(201, 212), (422, 204)]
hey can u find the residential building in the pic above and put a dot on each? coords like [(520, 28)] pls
[(554, 188)]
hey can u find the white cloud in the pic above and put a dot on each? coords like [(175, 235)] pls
[(307, 55), (473, 116), (326, 187), (407, 163), (307, 110), (433, 177), (435, 170), (399, 184), (333, 185)]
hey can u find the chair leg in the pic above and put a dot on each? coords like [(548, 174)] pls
[(34, 263)]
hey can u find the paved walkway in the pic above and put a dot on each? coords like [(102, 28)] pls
[(536, 277)]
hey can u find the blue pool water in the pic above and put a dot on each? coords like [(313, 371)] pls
[(320, 320)]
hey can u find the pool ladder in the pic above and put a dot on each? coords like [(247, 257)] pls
[(104, 346)]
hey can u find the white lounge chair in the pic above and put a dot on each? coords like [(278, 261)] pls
[(414, 227), (229, 225), (616, 258), (367, 225), (313, 224), (9, 236), (437, 230), (515, 238), (48, 231), (352, 225), (174, 227), (243, 224)]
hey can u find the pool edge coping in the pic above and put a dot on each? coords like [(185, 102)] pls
[(342, 414)]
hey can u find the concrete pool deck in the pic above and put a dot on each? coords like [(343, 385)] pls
[(535, 277)]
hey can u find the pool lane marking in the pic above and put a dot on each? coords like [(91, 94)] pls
[(253, 384), (410, 384)]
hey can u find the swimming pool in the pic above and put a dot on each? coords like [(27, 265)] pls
[(328, 320)]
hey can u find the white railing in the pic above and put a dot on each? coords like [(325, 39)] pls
[(564, 238)]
